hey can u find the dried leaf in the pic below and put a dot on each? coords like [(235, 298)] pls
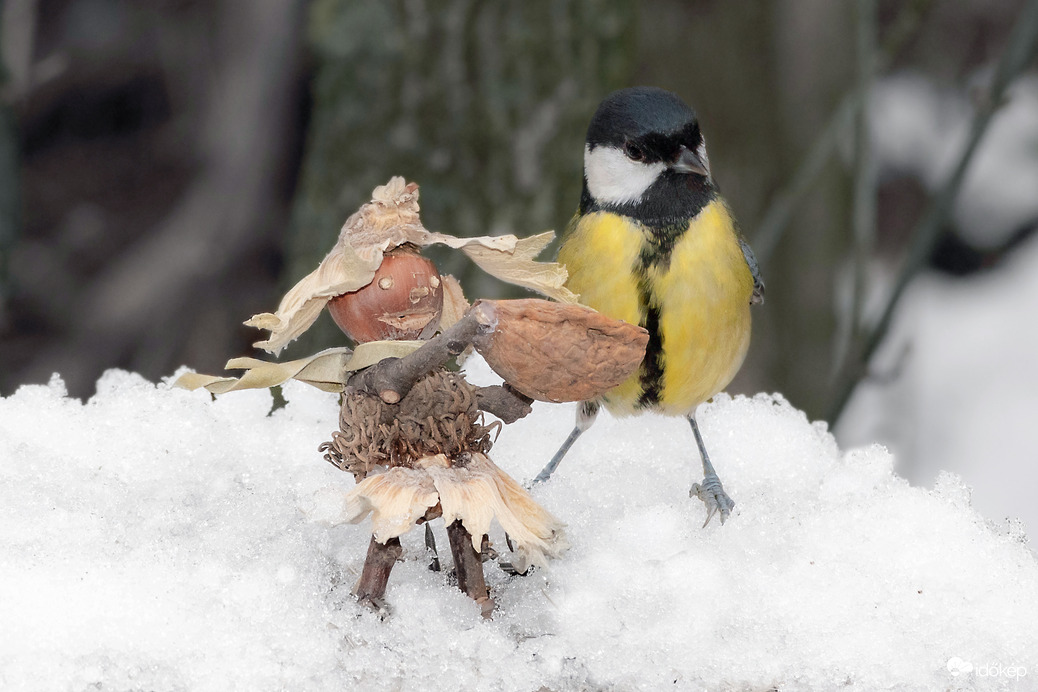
[(454, 303), (517, 265), (341, 271), (327, 370)]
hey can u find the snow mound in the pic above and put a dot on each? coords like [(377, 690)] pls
[(157, 539)]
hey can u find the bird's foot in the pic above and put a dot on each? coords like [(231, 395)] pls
[(712, 493)]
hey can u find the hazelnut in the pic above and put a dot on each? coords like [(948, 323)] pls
[(402, 300)]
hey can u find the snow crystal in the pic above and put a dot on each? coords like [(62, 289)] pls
[(157, 539)]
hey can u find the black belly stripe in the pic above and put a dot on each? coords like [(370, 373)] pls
[(655, 254), (651, 375)]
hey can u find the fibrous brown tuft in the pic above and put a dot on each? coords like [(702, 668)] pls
[(438, 416)]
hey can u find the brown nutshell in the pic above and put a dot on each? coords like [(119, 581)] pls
[(559, 352)]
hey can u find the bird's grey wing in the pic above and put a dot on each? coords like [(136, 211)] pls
[(751, 262)]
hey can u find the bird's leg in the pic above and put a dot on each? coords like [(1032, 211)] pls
[(586, 414), (711, 492)]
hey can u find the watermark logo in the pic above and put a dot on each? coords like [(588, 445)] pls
[(957, 666)]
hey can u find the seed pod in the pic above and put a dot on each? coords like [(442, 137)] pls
[(558, 352), (402, 300)]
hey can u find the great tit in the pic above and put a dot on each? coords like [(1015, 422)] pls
[(653, 243)]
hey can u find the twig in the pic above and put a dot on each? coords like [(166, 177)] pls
[(392, 378), (371, 588), (1019, 51), (504, 402), (469, 567)]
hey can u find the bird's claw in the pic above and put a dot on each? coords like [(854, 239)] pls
[(712, 493)]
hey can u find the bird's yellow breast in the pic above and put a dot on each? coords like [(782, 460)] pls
[(696, 299)]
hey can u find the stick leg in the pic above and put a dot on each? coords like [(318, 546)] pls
[(586, 414), (469, 567), (430, 544), (711, 492), (371, 588), (486, 551)]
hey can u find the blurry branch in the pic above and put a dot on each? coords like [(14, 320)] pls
[(863, 222), (9, 196), (18, 20), (9, 178), (1019, 52), (784, 203), (779, 213)]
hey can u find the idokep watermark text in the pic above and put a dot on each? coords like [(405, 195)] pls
[(958, 666)]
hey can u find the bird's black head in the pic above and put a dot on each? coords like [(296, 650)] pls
[(645, 157)]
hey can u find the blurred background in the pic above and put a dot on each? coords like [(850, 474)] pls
[(169, 167)]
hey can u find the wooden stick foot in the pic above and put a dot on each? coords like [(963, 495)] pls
[(371, 587), (469, 567)]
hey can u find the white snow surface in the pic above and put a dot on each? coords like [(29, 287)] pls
[(155, 539)]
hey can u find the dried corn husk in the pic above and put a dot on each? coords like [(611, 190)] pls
[(471, 488), (389, 220), (327, 370)]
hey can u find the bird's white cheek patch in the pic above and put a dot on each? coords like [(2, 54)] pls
[(613, 178)]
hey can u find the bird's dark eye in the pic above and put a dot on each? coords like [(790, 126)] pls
[(633, 151)]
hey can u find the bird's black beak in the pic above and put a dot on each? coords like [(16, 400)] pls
[(688, 161)]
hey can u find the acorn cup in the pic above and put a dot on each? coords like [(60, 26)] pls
[(556, 351), (403, 301)]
